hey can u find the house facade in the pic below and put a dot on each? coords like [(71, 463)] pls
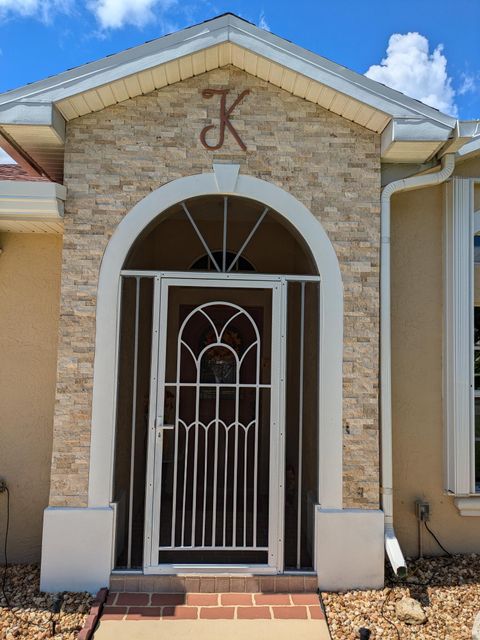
[(238, 318)]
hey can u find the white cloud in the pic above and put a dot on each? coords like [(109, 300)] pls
[(410, 68), (40, 9), (5, 158), (262, 22), (469, 84), (113, 14)]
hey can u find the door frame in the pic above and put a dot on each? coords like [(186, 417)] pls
[(162, 284)]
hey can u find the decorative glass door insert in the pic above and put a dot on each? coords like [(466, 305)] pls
[(216, 435)]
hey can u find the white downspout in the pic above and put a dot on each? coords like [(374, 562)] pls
[(392, 547)]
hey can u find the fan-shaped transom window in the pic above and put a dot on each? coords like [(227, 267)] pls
[(230, 234)]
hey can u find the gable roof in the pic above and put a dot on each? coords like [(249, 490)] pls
[(33, 117)]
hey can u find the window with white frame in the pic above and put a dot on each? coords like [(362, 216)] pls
[(461, 363)]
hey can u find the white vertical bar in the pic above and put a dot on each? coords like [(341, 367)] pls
[(118, 321), (195, 456), (185, 458), (458, 335), (175, 455), (300, 423), (225, 479), (205, 484), (280, 523), (215, 469), (134, 422), (159, 418), (225, 212), (245, 461), (256, 435), (277, 428), (150, 509), (235, 462)]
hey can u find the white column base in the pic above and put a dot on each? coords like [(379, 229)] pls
[(76, 549), (349, 549)]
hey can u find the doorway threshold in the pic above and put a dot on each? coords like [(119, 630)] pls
[(294, 582)]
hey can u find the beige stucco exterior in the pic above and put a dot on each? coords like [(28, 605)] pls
[(29, 294), (417, 335)]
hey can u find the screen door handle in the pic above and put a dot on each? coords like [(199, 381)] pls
[(162, 427)]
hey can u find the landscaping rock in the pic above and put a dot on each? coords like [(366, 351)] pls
[(34, 615), (410, 611), (451, 586)]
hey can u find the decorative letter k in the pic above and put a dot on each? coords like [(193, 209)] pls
[(224, 118)]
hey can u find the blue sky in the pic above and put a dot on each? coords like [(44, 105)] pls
[(433, 46)]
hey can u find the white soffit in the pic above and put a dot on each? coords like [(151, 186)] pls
[(215, 57), (31, 207), (226, 40)]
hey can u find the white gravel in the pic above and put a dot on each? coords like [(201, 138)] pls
[(32, 614), (448, 589)]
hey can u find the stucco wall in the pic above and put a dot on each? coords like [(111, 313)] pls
[(417, 307), (29, 294), (117, 156)]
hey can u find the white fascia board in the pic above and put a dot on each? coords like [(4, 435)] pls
[(468, 128), (465, 131), (123, 64), (38, 200), (34, 114), (226, 29), (333, 75), (472, 147), (413, 130)]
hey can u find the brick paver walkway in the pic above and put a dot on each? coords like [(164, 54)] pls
[(212, 606)]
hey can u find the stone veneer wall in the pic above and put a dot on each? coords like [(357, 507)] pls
[(117, 156)]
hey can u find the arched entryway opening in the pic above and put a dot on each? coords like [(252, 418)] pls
[(219, 404), (216, 433)]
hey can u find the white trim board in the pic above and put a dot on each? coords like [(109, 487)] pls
[(458, 336), (31, 207)]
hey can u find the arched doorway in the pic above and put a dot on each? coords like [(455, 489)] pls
[(218, 397)]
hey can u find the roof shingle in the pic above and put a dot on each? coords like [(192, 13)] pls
[(16, 172)]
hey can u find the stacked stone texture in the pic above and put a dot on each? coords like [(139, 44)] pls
[(117, 156)]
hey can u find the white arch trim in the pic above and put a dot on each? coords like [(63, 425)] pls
[(225, 180)]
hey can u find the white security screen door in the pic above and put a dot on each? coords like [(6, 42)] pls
[(215, 456)]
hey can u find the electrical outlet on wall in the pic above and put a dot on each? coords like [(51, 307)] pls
[(422, 510), (3, 485)]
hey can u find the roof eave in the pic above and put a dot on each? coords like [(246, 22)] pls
[(227, 28), (411, 131), (31, 207)]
